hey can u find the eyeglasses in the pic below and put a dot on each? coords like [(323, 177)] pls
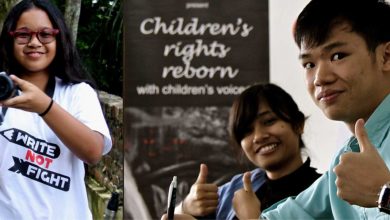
[(24, 35)]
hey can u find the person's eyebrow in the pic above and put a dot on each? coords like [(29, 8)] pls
[(264, 113), (326, 49)]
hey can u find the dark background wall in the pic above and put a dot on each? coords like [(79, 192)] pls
[(184, 62)]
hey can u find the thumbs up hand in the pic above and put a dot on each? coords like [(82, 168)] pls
[(203, 197), (360, 175), (245, 202)]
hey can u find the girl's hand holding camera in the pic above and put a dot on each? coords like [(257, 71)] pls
[(30, 99)]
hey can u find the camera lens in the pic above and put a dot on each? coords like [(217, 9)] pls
[(7, 87)]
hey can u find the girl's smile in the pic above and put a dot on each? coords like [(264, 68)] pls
[(34, 56)]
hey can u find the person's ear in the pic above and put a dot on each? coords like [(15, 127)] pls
[(300, 128), (386, 57)]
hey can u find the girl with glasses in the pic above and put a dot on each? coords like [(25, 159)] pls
[(53, 125)]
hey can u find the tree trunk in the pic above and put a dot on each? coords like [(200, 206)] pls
[(5, 6), (72, 15)]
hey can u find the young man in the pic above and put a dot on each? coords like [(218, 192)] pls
[(345, 51)]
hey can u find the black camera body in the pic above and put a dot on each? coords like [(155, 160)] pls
[(7, 87)]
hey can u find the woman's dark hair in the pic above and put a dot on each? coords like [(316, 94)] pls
[(246, 106), (66, 64)]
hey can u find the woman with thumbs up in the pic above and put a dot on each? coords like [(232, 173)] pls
[(266, 126)]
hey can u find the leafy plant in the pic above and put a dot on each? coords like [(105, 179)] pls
[(100, 43)]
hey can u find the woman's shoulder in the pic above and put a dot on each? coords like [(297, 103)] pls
[(237, 179), (73, 87)]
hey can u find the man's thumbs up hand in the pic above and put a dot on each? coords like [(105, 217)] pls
[(360, 175)]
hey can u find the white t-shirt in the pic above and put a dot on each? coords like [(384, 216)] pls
[(40, 178)]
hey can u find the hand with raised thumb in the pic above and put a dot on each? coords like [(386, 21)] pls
[(360, 175), (246, 182), (245, 202), (203, 197)]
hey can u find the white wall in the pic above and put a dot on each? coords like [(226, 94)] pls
[(322, 136)]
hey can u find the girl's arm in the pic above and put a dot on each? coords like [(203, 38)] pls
[(85, 143)]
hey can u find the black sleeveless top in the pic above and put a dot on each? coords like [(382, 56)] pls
[(273, 191)]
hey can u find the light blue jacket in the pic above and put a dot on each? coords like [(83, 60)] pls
[(320, 200)]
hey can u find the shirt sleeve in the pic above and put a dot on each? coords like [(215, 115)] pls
[(88, 110), (225, 193)]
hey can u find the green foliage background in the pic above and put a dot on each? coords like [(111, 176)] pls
[(100, 41)]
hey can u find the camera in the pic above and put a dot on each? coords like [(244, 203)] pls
[(7, 87)]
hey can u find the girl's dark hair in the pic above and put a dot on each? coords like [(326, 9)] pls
[(246, 107), (66, 64), (368, 18)]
